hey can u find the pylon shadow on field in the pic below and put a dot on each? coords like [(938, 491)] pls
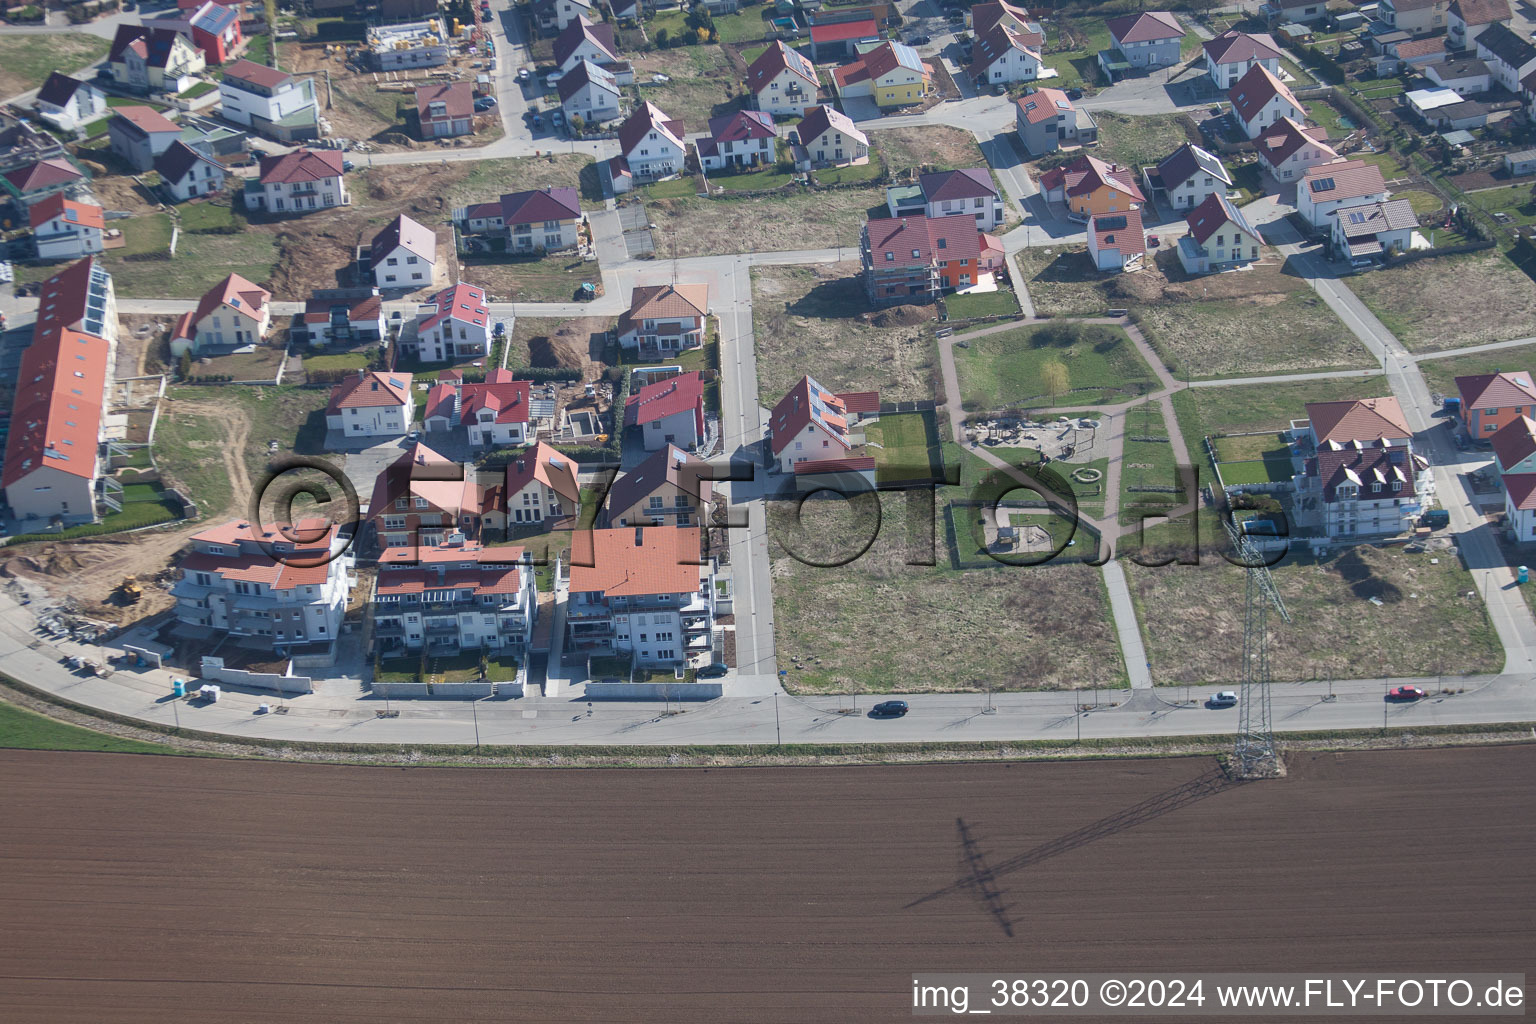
[(976, 875)]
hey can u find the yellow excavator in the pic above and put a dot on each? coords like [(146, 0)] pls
[(129, 590)]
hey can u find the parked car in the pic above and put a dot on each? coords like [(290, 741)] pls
[(1153, 241), (1406, 693), (1223, 699), (999, 89), (711, 672), (501, 328), (890, 708), (347, 165), (919, 41), (1074, 94), (484, 103), (523, 74)]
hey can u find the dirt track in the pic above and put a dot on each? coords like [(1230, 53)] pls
[(158, 889)]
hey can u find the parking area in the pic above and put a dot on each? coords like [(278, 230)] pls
[(637, 230)]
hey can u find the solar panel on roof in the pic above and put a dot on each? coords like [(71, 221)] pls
[(1357, 218), (1322, 185)]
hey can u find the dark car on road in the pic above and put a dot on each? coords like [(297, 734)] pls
[(711, 672), (890, 708)]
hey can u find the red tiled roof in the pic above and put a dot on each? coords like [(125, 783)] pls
[(742, 126), (1350, 179), (236, 292), (665, 398), (851, 464), (458, 99), (1255, 89), (985, 15), (844, 30), (672, 466), (1364, 466), (543, 464), (1515, 441), (1044, 104), (256, 74), (822, 119), (635, 562), (774, 61), (146, 119), (1212, 214), (1419, 47), (581, 30), (1495, 390), (458, 302), (1481, 12), (1119, 231), (1232, 47), (862, 401), (1280, 141), (1145, 27), (648, 117), (1000, 40), (1087, 174), (967, 183), (538, 205), (1365, 419), (501, 394), (1522, 490), (301, 165), (371, 390), (85, 214), (804, 404), (43, 174)]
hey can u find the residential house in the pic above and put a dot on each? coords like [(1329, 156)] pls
[(1219, 237), (967, 192), (341, 316), (541, 220), (420, 498), (1324, 189), (541, 485), (917, 259), (670, 488), (1490, 400), (554, 16), (23, 144), (1406, 53), (1374, 230), (403, 255), (139, 134), (669, 412), (186, 173), (829, 136), (1465, 20), (1520, 506), (63, 229), (1416, 17), (231, 314), (269, 101), (34, 182), (1295, 12), (892, 74), (496, 413), (1358, 420), (590, 93), (1514, 448), (652, 143), (452, 325), (642, 594), (453, 596), (1150, 39), (145, 60), (1230, 55), (1361, 490), (1510, 57), (581, 40), (68, 103), (372, 403), (664, 319), (811, 424), (1465, 76), (985, 16), (445, 110), (1006, 55), (215, 139), (1088, 186), (1187, 176), (1259, 99), (282, 586), (212, 27), (52, 451), (1116, 241), (836, 40), (1047, 121), (298, 182), (408, 45), (744, 139), (1520, 163), (1288, 150)]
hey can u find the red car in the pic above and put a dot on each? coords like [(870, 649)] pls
[(1407, 693), (1153, 241)]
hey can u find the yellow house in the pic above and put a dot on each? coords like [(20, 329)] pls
[(892, 74), (1089, 186)]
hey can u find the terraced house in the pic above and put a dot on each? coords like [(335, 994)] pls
[(421, 497)]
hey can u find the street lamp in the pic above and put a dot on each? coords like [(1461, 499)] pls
[(474, 707)]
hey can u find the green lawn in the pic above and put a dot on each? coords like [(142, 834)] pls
[(200, 89), (201, 261), (336, 361), (1392, 165), (142, 235), (1147, 464), (904, 452), (998, 303), (1215, 411), (1273, 467), (21, 729), (397, 670), (868, 171), (1422, 202), (1325, 114), (27, 60), (1511, 203), (1136, 141), (672, 188), (463, 667), (1441, 374), (188, 450), (1004, 369), (748, 181), (208, 216)]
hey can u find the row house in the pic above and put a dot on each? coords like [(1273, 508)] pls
[(279, 586), (643, 594), (1187, 177), (269, 101), (452, 325), (299, 182), (1510, 57), (63, 229), (782, 82), (1232, 54), (68, 103), (541, 484), (668, 412), (232, 313), (664, 319), (373, 403), (403, 255), (670, 488), (52, 451), (495, 413), (453, 596)]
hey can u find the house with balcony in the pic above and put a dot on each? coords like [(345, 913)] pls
[(275, 587), (1233, 54), (1510, 57), (1187, 177), (372, 404), (421, 497), (782, 81), (553, 16), (340, 316), (1491, 400), (539, 220), (403, 255), (644, 596), (454, 324), (670, 488), (541, 486), (299, 182), (452, 596), (144, 60), (1219, 237), (828, 137), (1465, 20), (270, 101), (1089, 186), (68, 103), (1005, 55), (669, 412), (231, 314), (1047, 121), (968, 192), (1416, 17), (591, 93), (651, 143), (52, 466), (811, 424), (664, 319), (63, 229), (495, 413), (741, 140)]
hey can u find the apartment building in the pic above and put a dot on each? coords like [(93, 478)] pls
[(644, 596), (452, 596)]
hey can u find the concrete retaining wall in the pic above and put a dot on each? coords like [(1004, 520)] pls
[(654, 691), (213, 668), (399, 691), (446, 691)]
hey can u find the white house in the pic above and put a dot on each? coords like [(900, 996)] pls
[(968, 192), (1465, 20), (1288, 149), (63, 229), (1466, 76), (809, 424), (1510, 57), (232, 313), (782, 81), (372, 404), (1259, 99), (269, 101), (664, 319), (1187, 176), (744, 139), (1219, 237), (670, 411), (828, 136), (403, 255), (1229, 56), (495, 413), (298, 182), (454, 324), (67, 103), (1372, 231), (1116, 241), (590, 93), (540, 220), (581, 40), (186, 173), (1417, 17), (541, 484), (1151, 39), (1004, 56), (341, 315), (651, 142), (553, 16), (1326, 188), (455, 595)]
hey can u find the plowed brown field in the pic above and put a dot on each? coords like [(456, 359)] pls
[(165, 889)]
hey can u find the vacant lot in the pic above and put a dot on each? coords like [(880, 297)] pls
[(817, 320), (794, 219), (701, 84), (1098, 366), (1441, 374), (1192, 618), (926, 148), (577, 343), (816, 920), (1451, 301), (905, 451), (877, 625), (1242, 408), (1136, 141), (27, 60), (530, 279)]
